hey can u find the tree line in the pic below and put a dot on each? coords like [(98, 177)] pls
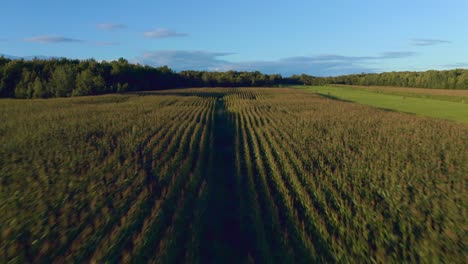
[(68, 77), (449, 79), (65, 77)]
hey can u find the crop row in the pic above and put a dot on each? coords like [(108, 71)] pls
[(228, 175), (351, 181)]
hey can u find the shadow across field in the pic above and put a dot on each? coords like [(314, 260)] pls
[(332, 97), (222, 239), (175, 92)]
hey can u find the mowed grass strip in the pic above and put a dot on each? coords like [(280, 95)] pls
[(460, 96), (455, 111)]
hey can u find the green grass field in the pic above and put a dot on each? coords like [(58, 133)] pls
[(459, 96), (415, 104)]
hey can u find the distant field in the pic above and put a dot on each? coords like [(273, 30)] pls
[(438, 94), (234, 175), (444, 104)]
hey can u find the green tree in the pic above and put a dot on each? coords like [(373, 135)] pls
[(10, 77), (122, 88), (39, 90), (24, 87), (87, 83), (462, 80), (62, 81)]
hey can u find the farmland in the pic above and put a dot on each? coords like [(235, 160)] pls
[(216, 175), (438, 103), (438, 94)]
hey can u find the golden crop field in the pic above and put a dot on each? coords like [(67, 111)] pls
[(233, 175)]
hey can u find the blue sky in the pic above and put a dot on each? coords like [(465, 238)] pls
[(289, 37)]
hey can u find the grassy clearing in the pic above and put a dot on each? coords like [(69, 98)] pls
[(403, 102), (233, 175), (460, 96)]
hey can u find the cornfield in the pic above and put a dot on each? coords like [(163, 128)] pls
[(263, 175)]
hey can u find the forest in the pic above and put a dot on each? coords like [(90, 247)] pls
[(450, 79), (63, 77)]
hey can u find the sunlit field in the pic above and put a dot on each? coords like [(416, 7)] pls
[(438, 103), (235, 175)]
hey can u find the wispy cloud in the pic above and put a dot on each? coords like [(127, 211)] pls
[(110, 26), (105, 43), (163, 33), (396, 55), (184, 59), (323, 65), (319, 65), (456, 65), (342, 58), (40, 57), (53, 39), (428, 42)]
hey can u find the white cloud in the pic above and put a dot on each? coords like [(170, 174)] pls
[(457, 65), (105, 43), (163, 33), (53, 39), (110, 26), (428, 42), (396, 55), (184, 60), (320, 65)]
